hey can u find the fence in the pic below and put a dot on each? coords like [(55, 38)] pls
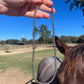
[(13, 47)]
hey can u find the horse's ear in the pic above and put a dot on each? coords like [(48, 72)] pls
[(61, 46)]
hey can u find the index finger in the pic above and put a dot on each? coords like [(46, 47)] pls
[(48, 2), (34, 1)]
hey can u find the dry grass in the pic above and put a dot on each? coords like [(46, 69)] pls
[(23, 50)]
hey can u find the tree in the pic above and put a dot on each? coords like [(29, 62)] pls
[(79, 4), (44, 33), (30, 41), (66, 39), (69, 39), (23, 39), (36, 31), (2, 42), (49, 40), (12, 41), (81, 39), (74, 39), (63, 38)]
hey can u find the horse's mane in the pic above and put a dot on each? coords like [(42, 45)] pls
[(72, 57), (76, 52)]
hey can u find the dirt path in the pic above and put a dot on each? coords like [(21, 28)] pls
[(16, 51), (13, 76)]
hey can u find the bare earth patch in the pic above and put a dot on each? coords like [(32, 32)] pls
[(13, 76), (23, 50)]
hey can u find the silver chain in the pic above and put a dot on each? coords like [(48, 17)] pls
[(34, 46)]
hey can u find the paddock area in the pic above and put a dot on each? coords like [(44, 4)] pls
[(15, 65)]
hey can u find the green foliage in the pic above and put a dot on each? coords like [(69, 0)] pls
[(74, 39), (36, 31), (30, 41), (66, 39), (44, 34), (41, 40), (79, 4), (49, 40), (81, 39), (23, 39), (11, 41), (69, 39), (2, 42)]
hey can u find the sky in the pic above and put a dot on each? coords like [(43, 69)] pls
[(66, 23)]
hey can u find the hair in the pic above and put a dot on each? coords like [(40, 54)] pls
[(72, 57)]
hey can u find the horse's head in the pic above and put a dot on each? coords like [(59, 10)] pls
[(71, 70)]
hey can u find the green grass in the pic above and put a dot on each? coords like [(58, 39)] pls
[(23, 61)]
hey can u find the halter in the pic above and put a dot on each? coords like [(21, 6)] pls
[(34, 46)]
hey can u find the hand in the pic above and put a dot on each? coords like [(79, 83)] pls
[(26, 8)]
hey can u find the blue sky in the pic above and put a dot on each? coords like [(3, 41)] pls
[(66, 23)]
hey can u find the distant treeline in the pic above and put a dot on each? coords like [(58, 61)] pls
[(72, 39), (45, 37), (66, 39)]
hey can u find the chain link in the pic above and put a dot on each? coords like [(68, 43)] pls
[(34, 46)]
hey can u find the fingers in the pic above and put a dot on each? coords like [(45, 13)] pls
[(46, 8), (31, 14), (34, 1), (47, 2), (45, 15), (39, 14)]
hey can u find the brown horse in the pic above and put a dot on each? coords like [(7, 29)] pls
[(71, 70)]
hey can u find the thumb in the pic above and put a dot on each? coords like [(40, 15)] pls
[(34, 1)]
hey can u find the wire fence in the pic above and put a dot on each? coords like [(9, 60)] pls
[(13, 47)]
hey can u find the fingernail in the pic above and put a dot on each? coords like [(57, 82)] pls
[(51, 3), (49, 16), (55, 11), (41, 0), (42, 15)]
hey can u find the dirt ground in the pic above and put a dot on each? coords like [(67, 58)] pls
[(30, 49), (15, 76)]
